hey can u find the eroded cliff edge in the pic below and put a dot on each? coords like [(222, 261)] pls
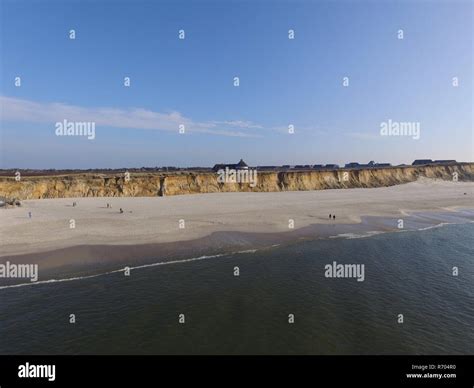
[(158, 184)]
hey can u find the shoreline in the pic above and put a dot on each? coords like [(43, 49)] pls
[(87, 261), (158, 219)]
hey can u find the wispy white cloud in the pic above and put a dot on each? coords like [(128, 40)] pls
[(20, 110), (238, 124)]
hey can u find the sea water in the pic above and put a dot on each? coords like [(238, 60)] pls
[(281, 302)]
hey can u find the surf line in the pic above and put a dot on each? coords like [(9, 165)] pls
[(127, 268)]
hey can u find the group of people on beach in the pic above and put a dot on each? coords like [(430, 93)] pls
[(333, 216), (109, 206)]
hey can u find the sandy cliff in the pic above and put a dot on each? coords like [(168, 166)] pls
[(158, 184)]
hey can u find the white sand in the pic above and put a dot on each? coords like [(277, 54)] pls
[(154, 220)]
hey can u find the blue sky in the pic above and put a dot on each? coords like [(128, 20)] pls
[(190, 81)]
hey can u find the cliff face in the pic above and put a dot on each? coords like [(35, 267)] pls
[(156, 184)]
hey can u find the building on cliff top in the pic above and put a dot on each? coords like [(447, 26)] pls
[(238, 166), (368, 165), (419, 162), (444, 161)]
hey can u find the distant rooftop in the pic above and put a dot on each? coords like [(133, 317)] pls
[(241, 165)]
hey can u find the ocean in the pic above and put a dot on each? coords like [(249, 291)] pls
[(408, 273)]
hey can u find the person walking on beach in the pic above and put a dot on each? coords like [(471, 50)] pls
[(29, 214), (329, 216), (121, 210), (334, 217)]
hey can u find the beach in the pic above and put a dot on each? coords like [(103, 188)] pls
[(59, 234)]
